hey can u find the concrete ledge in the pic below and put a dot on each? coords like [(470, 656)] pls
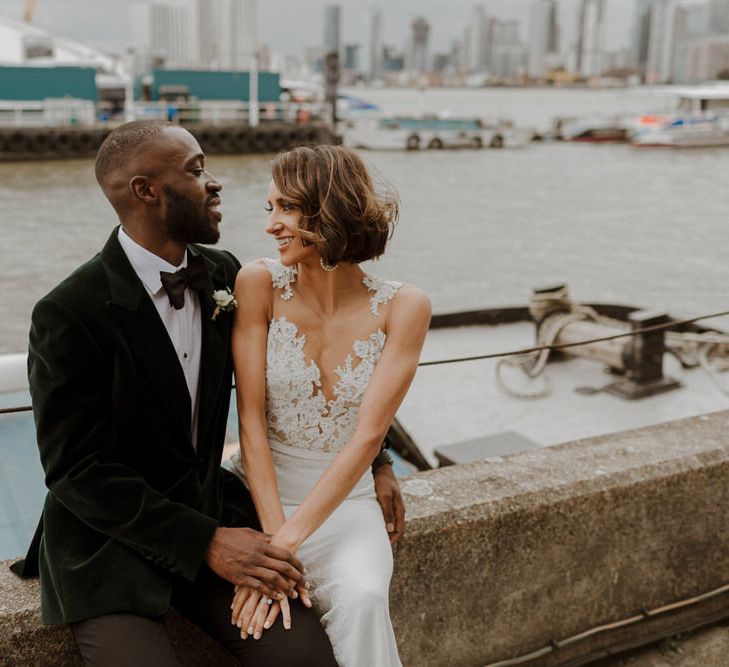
[(503, 556)]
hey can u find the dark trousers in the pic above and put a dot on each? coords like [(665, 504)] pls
[(126, 640)]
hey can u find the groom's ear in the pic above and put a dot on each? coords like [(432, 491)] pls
[(144, 189)]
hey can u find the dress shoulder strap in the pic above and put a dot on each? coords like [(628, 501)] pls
[(384, 290), (282, 276)]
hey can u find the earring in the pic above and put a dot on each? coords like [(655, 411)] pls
[(327, 267)]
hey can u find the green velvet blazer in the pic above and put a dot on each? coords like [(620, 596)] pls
[(131, 505)]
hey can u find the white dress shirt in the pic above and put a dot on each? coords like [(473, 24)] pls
[(183, 326)]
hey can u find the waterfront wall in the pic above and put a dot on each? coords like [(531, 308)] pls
[(524, 554), (47, 143)]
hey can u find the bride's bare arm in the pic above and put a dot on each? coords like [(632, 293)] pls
[(250, 332), (407, 326)]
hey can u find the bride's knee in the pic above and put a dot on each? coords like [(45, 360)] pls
[(363, 598)]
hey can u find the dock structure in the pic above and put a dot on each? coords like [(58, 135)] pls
[(53, 143), (553, 556)]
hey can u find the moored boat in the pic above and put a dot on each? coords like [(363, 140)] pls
[(430, 132), (701, 119)]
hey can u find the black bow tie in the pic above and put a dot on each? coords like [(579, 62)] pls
[(195, 276)]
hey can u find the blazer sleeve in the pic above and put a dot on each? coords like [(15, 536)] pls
[(72, 405)]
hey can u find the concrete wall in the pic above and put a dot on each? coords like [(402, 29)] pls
[(504, 556)]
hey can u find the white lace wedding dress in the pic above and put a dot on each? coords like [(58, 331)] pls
[(348, 558)]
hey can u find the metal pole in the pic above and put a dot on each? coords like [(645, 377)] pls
[(331, 77), (253, 116), (129, 87)]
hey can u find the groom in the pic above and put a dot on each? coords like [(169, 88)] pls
[(130, 374)]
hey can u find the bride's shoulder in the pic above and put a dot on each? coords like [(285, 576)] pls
[(410, 314), (255, 272), (414, 298), (265, 275)]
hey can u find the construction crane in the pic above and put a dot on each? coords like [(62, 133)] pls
[(30, 6)]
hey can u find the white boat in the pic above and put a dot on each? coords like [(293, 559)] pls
[(701, 119), (382, 131), (594, 129)]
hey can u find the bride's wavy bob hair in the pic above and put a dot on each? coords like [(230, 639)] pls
[(343, 213)]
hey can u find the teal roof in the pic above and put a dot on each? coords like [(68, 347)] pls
[(39, 83), (205, 85)]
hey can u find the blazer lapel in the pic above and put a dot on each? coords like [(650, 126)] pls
[(143, 330), (214, 355)]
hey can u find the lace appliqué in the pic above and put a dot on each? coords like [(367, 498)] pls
[(384, 290), (282, 277), (298, 413)]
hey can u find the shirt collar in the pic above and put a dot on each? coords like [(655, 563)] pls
[(146, 264)]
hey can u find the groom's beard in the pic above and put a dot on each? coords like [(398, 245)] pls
[(187, 223)]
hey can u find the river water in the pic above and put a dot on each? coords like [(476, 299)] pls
[(477, 228)]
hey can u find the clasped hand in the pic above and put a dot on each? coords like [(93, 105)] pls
[(248, 558), (253, 612)]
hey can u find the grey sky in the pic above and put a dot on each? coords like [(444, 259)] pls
[(289, 27)]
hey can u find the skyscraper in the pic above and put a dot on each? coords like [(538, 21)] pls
[(664, 29), (542, 39), (376, 46), (206, 18), (163, 32), (417, 60), (508, 54), (720, 15), (332, 29), (641, 32), (237, 46), (591, 38), (478, 46)]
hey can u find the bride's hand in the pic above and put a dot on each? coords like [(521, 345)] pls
[(301, 591), (253, 613)]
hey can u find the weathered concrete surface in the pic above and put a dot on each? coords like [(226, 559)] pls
[(704, 648), (503, 556)]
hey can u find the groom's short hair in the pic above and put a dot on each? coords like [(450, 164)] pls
[(344, 213), (124, 142)]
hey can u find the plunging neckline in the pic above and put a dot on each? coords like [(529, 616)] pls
[(341, 370)]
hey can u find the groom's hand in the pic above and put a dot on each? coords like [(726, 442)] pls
[(390, 499), (244, 557)]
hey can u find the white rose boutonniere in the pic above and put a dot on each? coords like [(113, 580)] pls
[(224, 301)]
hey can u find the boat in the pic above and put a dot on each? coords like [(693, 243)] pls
[(701, 119), (594, 129), (474, 408), (434, 132)]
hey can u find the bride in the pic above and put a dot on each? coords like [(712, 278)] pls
[(324, 354)]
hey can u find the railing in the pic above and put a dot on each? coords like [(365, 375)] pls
[(75, 112), (48, 112)]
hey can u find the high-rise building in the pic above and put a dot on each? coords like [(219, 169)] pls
[(375, 70), (542, 39), (508, 54), (206, 29), (477, 41), (417, 60), (719, 15), (351, 56), (237, 46), (641, 32), (163, 32), (332, 29), (664, 34), (707, 58), (591, 38)]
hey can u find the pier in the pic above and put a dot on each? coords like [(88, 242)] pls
[(52, 143)]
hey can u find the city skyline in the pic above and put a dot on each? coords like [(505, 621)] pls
[(109, 27)]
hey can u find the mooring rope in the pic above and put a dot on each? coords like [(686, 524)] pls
[(531, 350)]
